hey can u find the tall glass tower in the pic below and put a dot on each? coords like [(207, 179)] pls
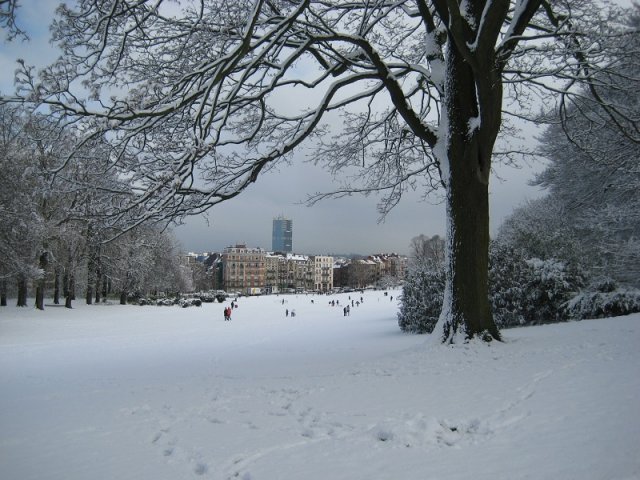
[(282, 236)]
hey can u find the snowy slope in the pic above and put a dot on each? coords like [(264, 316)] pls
[(125, 392)]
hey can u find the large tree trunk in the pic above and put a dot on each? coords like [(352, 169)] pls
[(466, 309), (40, 288), (69, 289), (3, 293), (56, 285), (91, 279), (22, 291), (98, 288)]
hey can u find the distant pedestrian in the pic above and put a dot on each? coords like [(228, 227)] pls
[(345, 311), (229, 313), (293, 313), (226, 313), (348, 310), (286, 312)]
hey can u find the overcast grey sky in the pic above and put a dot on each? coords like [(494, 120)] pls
[(347, 225)]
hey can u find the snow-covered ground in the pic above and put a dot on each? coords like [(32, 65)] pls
[(123, 392)]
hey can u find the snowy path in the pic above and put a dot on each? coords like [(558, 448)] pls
[(111, 392)]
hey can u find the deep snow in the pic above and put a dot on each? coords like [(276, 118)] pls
[(126, 392)]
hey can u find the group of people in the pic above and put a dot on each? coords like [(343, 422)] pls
[(228, 310)]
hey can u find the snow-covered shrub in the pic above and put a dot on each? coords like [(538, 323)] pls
[(422, 295), (552, 284), (522, 291), (529, 291), (509, 277), (604, 298)]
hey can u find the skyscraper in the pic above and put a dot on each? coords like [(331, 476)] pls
[(282, 236)]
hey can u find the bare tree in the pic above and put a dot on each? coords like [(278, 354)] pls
[(425, 249), (220, 91), (8, 15)]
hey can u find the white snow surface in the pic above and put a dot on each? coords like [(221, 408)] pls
[(127, 392)]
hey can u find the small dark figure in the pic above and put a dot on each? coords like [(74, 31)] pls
[(345, 311), (286, 312)]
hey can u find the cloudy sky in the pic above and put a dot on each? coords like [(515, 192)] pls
[(347, 225)]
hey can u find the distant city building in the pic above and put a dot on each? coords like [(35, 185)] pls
[(282, 235), (375, 270), (253, 271), (243, 269), (287, 272), (322, 273)]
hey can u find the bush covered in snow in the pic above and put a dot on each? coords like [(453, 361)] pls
[(523, 291), (422, 296), (552, 283), (605, 299), (508, 280), (529, 291)]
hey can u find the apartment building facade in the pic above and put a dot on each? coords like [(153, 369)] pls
[(243, 268), (322, 267), (253, 270)]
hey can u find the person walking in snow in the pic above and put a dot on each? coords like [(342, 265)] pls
[(226, 313)]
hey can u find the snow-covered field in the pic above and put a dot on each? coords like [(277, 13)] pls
[(124, 392)]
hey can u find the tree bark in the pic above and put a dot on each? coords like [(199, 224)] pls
[(106, 287), (42, 281), (22, 291), (466, 309), (56, 286), (3, 293), (91, 275), (69, 290)]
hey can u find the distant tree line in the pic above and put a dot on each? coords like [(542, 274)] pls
[(57, 230)]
